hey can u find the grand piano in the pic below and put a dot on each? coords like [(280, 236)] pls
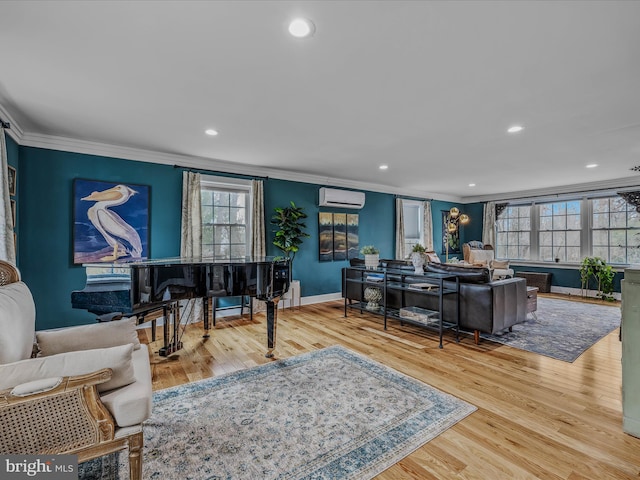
[(141, 287)]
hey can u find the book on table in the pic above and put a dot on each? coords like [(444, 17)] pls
[(375, 277), (423, 286), (418, 314)]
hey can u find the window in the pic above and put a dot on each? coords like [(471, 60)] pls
[(560, 231), (570, 230), (225, 217), (412, 212), (615, 231), (513, 236)]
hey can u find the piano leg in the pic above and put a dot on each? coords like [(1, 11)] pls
[(171, 314), (272, 321), (205, 313)]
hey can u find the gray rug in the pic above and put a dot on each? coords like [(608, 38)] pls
[(564, 330), (328, 414)]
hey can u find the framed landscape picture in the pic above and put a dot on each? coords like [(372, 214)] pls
[(325, 232), (110, 221), (353, 239), (339, 236)]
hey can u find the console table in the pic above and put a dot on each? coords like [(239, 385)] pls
[(374, 288)]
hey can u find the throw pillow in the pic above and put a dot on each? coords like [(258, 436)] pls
[(73, 363), (500, 264), (87, 337), (17, 322)]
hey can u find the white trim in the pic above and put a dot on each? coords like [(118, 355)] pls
[(578, 292), (141, 155), (328, 297)]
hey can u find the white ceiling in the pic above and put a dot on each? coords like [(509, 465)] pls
[(428, 88)]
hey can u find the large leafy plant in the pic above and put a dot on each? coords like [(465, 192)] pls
[(595, 269), (290, 233)]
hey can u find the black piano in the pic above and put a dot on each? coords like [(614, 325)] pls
[(140, 287)]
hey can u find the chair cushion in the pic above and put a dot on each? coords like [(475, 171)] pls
[(131, 404), (73, 363), (88, 337), (500, 264), (17, 322)]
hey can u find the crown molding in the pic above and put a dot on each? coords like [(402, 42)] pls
[(128, 153), (15, 131), (577, 188)]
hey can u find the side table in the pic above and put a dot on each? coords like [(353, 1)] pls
[(532, 301)]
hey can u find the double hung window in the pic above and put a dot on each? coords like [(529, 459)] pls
[(225, 217)]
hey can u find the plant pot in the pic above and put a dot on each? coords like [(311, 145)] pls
[(371, 261)]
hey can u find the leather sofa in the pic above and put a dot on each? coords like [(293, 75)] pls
[(485, 306)]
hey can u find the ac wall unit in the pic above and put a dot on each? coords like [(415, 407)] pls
[(331, 197)]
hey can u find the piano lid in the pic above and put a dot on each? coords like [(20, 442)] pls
[(202, 260)]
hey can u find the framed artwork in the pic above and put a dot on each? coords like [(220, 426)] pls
[(12, 180), (353, 241), (325, 236), (452, 238), (110, 221), (339, 236)]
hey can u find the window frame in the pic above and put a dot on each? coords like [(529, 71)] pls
[(232, 185), (409, 242), (586, 223)]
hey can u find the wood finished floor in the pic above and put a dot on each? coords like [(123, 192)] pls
[(537, 417)]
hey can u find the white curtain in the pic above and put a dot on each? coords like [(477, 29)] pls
[(489, 224), (400, 254), (428, 226), (191, 235), (7, 243), (258, 235), (258, 241), (191, 227)]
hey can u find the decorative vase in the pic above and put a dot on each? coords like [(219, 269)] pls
[(417, 259), (371, 261), (372, 295)]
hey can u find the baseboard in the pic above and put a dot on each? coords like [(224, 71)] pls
[(578, 292)]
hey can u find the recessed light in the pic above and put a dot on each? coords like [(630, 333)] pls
[(383, 167), (302, 28), (515, 129), (211, 131), (472, 184), (591, 165)]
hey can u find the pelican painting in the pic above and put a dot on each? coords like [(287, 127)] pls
[(115, 221)]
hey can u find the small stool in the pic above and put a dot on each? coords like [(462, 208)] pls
[(292, 294)]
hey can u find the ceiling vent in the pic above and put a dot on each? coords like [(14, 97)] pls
[(331, 197)]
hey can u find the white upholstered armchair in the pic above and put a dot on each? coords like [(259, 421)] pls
[(87, 392)]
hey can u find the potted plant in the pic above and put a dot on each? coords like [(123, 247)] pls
[(371, 256), (417, 258), (597, 269), (290, 232)]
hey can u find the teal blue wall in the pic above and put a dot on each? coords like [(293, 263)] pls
[(46, 211), (468, 232), (45, 183)]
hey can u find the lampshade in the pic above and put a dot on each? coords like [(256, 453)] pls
[(452, 227), (464, 218), (454, 212)]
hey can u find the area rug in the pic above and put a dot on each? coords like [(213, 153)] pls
[(563, 330), (328, 414)]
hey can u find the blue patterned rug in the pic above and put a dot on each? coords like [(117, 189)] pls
[(328, 414), (564, 329)]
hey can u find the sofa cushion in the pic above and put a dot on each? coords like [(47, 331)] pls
[(88, 337), (465, 274), (73, 363), (17, 322), (482, 257)]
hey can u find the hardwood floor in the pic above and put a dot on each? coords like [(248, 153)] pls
[(537, 417)]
